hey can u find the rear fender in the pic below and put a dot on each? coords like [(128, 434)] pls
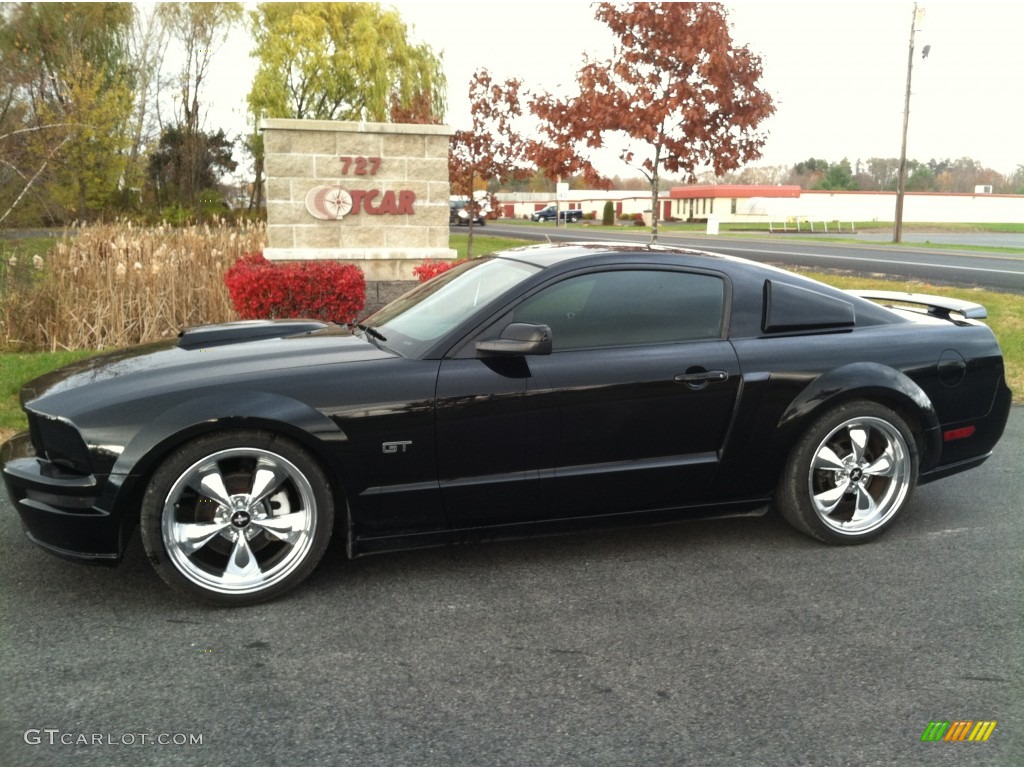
[(876, 382)]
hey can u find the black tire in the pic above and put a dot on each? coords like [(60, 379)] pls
[(850, 474), (237, 517)]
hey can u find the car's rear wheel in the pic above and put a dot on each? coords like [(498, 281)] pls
[(850, 474), (237, 517)]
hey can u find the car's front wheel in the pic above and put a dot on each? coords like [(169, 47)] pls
[(237, 517), (850, 474)]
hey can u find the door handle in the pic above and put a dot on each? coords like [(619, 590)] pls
[(700, 378)]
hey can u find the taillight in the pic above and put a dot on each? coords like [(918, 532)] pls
[(957, 434)]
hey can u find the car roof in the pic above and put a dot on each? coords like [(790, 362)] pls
[(550, 254)]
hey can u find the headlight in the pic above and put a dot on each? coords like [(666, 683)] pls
[(58, 440)]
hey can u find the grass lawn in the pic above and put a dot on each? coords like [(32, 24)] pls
[(21, 248), (1005, 315), (16, 244), (484, 243), (15, 369), (1006, 318), (755, 230)]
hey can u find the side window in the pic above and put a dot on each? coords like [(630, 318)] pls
[(604, 309)]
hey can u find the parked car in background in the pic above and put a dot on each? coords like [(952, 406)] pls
[(549, 214), (543, 389), (458, 215)]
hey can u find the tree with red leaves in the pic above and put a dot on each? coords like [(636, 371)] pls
[(556, 155), (492, 149), (677, 95)]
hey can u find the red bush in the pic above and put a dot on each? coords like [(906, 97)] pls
[(429, 269), (323, 290)]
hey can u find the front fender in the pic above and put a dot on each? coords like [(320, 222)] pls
[(870, 381), (184, 421)]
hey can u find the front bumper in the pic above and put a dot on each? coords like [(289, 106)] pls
[(58, 509)]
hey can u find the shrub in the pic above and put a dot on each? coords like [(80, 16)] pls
[(323, 290), (429, 269), (176, 215), (608, 216)]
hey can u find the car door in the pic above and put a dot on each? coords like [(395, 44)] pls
[(488, 442), (638, 392)]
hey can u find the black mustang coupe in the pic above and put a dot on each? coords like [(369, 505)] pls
[(542, 389)]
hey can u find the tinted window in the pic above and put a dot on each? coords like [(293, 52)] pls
[(628, 307), (413, 322)]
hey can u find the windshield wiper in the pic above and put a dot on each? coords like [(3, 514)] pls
[(369, 330)]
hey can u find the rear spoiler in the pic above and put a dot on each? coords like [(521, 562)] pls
[(937, 306)]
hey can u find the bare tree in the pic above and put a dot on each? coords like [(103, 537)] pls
[(201, 28), (147, 45)]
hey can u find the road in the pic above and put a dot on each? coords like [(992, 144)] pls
[(734, 642), (1001, 272)]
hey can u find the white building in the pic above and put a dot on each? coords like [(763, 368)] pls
[(780, 205)]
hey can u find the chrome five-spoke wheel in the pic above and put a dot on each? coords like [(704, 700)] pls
[(850, 474), (859, 475), (237, 518)]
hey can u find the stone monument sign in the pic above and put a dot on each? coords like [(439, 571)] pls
[(370, 194)]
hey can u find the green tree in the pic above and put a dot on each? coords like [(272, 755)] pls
[(178, 176), (1016, 181), (608, 215), (882, 171), (340, 61), (839, 176), (921, 178), (811, 165), (69, 101), (809, 173)]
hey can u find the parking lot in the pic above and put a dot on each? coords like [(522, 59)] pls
[(728, 642)]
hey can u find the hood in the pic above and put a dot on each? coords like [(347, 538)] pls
[(205, 354)]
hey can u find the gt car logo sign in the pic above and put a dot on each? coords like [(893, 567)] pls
[(328, 203), (334, 202)]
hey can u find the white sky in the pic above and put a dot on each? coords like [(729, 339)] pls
[(837, 71)]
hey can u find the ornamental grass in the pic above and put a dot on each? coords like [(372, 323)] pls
[(114, 285)]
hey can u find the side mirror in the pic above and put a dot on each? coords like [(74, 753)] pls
[(519, 339)]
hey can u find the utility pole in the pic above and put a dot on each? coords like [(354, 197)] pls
[(901, 180)]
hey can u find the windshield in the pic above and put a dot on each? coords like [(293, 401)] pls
[(414, 322)]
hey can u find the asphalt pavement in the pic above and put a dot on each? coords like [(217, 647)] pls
[(961, 267), (732, 642)]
